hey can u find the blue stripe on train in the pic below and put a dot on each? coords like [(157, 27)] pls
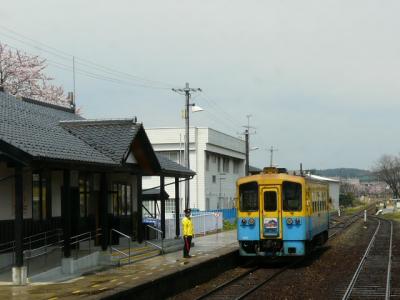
[(247, 232)]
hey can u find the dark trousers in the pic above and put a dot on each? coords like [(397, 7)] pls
[(187, 239)]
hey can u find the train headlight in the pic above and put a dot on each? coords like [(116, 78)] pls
[(251, 221), (244, 221), (289, 221)]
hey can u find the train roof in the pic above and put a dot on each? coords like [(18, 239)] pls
[(281, 174)]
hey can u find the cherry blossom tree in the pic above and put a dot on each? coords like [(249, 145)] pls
[(23, 75)]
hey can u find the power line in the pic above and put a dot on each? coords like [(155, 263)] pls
[(67, 56), (86, 73)]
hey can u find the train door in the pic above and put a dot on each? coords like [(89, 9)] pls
[(270, 213)]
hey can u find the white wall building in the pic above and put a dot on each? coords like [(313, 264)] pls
[(217, 158)]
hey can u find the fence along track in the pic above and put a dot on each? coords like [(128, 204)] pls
[(372, 277)]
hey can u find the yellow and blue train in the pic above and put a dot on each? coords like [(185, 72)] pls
[(281, 214)]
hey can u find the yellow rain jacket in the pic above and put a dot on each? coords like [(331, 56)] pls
[(187, 226)]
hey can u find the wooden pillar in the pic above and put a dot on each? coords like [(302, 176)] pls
[(162, 198), (19, 218), (104, 212), (66, 213), (177, 200), (139, 209)]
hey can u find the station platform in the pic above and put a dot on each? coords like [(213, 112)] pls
[(147, 279)]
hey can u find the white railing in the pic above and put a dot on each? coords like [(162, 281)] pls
[(203, 223)]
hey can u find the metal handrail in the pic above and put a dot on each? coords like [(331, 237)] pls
[(88, 237), (117, 250), (162, 239)]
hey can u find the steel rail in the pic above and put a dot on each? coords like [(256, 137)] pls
[(387, 294), (225, 284), (360, 265), (256, 287)]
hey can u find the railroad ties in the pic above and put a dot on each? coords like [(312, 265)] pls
[(372, 277)]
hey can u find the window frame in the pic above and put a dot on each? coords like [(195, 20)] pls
[(43, 204), (284, 202), (256, 193)]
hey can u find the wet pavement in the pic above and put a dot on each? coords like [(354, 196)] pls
[(118, 279)]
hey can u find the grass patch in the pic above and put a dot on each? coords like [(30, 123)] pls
[(392, 216), (353, 209)]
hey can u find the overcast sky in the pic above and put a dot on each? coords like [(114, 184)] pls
[(320, 78)]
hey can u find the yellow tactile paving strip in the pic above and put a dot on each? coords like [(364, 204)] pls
[(125, 277)]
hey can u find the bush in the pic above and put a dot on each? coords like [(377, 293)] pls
[(228, 225), (346, 199)]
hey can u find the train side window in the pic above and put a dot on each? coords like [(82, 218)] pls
[(291, 196), (270, 203), (248, 196)]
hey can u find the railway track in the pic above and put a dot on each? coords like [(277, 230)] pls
[(251, 280), (372, 278), (246, 283), (346, 222)]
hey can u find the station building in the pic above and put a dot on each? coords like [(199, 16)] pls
[(61, 172), (217, 158)]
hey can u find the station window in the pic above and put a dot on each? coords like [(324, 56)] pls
[(248, 193), (121, 199), (291, 196), (40, 197), (84, 195), (214, 179)]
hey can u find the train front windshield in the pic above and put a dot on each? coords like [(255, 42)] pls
[(291, 196), (248, 196)]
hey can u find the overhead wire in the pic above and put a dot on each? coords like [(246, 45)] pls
[(97, 71), (81, 61)]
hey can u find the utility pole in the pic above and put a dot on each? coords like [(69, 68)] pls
[(220, 190), (187, 93), (247, 140), (271, 150)]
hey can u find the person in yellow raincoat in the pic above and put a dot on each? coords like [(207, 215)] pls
[(188, 232)]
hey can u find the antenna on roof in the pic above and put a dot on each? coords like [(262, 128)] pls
[(71, 99)]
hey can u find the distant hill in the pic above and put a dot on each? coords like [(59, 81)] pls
[(363, 175)]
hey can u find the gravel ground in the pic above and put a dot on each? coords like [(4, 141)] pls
[(325, 275), (395, 274)]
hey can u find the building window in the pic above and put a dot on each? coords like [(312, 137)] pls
[(40, 201), (171, 155), (219, 164), (170, 205), (207, 162), (84, 195), (236, 165), (226, 164), (214, 159), (214, 179), (121, 199)]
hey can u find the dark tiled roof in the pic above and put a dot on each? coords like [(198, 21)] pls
[(168, 165), (111, 137), (34, 128)]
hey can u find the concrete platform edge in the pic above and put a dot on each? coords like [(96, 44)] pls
[(179, 281)]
